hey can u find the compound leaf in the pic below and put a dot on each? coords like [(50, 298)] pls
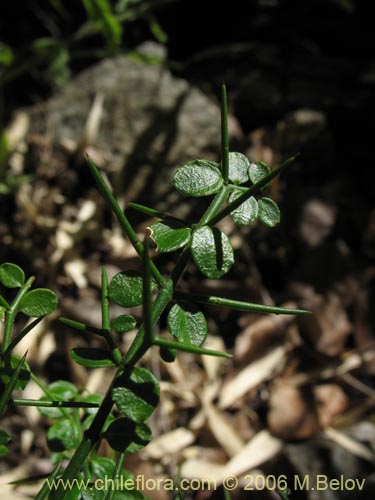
[(38, 302), (92, 357), (170, 235), (198, 178), (212, 252), (246, 213), (11, 275), (238, 168), (136, 394), (127, 436), (187, 323), (125, 289), (268, 212)]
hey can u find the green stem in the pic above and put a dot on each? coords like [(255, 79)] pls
[(250, 192), (46, 488), (4, 303), (179, 346), (53, 404), (236, 304), (224, 135), (116, 473), (124, 222), (10, 314), (214, 207), (139, 346), (82, 327), (48, 393), (146, 295), (89, 440), (154, 213), (10, 386), (106, 323), (22, 334)]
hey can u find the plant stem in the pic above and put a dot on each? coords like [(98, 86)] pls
[(146, 294), (224, 135), (11, 385), (106, 324), (10, 314), (48, 393), (53, 404), (22, 334), (123, 220), (236, 304), (214, 207), (46, 488), (172, 344), (119, 465)]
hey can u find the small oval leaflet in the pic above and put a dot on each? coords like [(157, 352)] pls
[(212, 252), (268, 212), (136, 394), (38, 302), (257, 171), (4, 437), (238, 168), (63, 435), (11, 275), (125, 289), (124, 323), (91, 357), (198, 178), (246, 213), (187, 323), (169, 235), (127, 436)]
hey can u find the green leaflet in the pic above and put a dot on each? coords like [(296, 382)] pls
[(102, 466), (136, 394), (92, 357), (187, 323), (11, 275), (169, 235), (212, 252), (268, 212), (124, 323), (238, 168), (246, 213), (257, 171), (127, 436), (125, 289), (198, 178), (64, 435), (38, 302)]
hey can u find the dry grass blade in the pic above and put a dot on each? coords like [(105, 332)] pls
[(355, 447), (259, 371)]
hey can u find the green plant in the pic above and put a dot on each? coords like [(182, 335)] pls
[(51, 54), (134, 391)]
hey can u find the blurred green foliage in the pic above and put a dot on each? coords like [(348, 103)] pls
[(67, 32)]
